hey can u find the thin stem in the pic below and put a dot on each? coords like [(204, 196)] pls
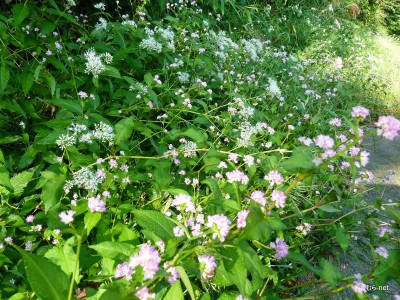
[(78, 251)]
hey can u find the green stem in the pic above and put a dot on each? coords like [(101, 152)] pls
[(78, 251)]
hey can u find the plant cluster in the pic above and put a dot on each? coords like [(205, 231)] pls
[(174, 159)]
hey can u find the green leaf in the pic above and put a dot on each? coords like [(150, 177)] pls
[(394, 214), (123, 130), (113, 250), (5, 177), (342, 239), (300, 159), (64, 257), (20, 12), (91, 219), (19, 296), (186, 281), (329, 208), (300, 258), (388, 268), (236, 268), (71, 105), (329, 272), (148, 78), (52, 189), (4, 76), (111, 72), (155, 222), (195, 134), (45, 278), (175, 292), (26, 81), (20, 181), (213, 184)]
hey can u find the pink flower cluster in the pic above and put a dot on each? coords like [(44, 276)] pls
[(237, 176), (274, 177), (258, 197), (207, 267), (96, 205), (279, 198), (219, 224), (280, 247), (388, 127), (148, 258), (183, 202), (359, 112), (324, 141), (241, 218)]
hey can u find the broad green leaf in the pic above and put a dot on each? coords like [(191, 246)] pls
[(26, 81), (213, 184), (113, 250), (148, 78), (276, 223), (71, 105), (111, 72), (65, 257), (5, 177), (155, 222), (236, 268), (228, 296), (388, 268), (46, 279), (195, 134), (253, 261), (394, 214), (186, 281), (342, 239), (123, 130), (52, 189), (19, 296), (329, 272), (4, 76), (300, 258), (329, 208), (175, 292), (301, 159), (20, 12), (20, 181), (91, 219)]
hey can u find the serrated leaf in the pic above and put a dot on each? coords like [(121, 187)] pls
[(329, 272), (64, 257), (111, 72), (236, 268), (20, 181), (155, 222), (329, 208), (123, 130), (300, 159), (91, 219), (4, 76), (46, 279), (186, 281), (342, 239), (52, 189), (113, 250), (195, 134), (5, 177), (20, 12), (175, 292), (394, 214), (26, 81), (388, 268), (300, 258)]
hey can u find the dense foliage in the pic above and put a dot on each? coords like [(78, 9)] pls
[(195, 151)]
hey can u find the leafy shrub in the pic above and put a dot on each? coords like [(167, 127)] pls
[(170, 158)]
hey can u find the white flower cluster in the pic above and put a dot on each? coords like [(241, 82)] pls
[(253, 48), (103, 132), (188, 147), (274, 88), (222, 41), (100, 6), (84, 178), (169, 36), (101, 25), (94, 64), (151, 44), (129, 23), (70, 3), (183, 77)]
